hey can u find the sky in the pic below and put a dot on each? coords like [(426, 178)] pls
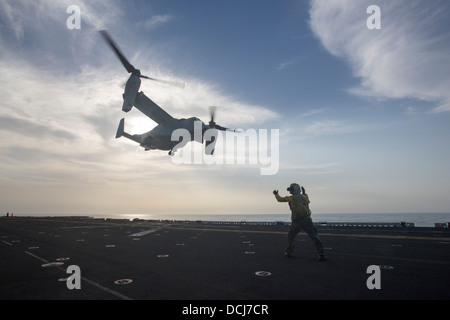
[(362, 114)]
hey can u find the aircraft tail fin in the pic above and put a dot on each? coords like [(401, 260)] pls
[(121, 132), (120, 129)]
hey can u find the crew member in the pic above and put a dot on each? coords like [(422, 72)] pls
[(301, 218)]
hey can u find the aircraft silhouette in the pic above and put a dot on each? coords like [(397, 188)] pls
[(160, 137)]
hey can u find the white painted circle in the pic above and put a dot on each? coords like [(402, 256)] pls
[(123, 281), (263, 273)]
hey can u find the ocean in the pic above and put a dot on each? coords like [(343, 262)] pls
[(419, 219)]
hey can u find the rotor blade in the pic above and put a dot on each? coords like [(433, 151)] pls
[(119, 54), (173, 83), (212, 123), (223, 128), (212, 112)]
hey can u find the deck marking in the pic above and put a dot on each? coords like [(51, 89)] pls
[(123, 281), (9, 244), (52, 264), (95, 284), (35, 256), (143, 233)]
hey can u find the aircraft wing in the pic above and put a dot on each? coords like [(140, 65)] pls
[(151, 109)]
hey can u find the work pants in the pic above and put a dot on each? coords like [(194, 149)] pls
[(307, 225)]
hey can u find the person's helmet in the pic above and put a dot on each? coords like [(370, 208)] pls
[(294, 188)]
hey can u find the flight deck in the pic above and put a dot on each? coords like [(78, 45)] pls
[(197, 260)]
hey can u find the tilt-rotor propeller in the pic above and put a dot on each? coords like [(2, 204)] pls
[(128, 66)]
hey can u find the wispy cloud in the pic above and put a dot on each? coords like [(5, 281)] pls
[(12, 18), (313, 112), (157, 20), (289, 62), (199, 95), (406, 58), (29, 128), (313, 169), (43, 18)]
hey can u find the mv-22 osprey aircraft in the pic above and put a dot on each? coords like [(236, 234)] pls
[(160, 137)]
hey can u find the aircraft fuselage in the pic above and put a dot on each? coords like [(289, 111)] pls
[(160, 137)]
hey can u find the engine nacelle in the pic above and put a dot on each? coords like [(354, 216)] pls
[(129, 95)]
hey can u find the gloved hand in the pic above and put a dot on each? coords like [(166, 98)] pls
[(303, 190), (275, 192)]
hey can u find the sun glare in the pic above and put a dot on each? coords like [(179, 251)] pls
[(138, 125)]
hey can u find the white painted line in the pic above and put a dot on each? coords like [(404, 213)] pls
[(95, 284), (143, 233), (35, 256), (114, 293), (52, 264), (9, 244)]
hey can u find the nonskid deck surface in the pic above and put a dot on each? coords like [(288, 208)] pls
[(196, 261)]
